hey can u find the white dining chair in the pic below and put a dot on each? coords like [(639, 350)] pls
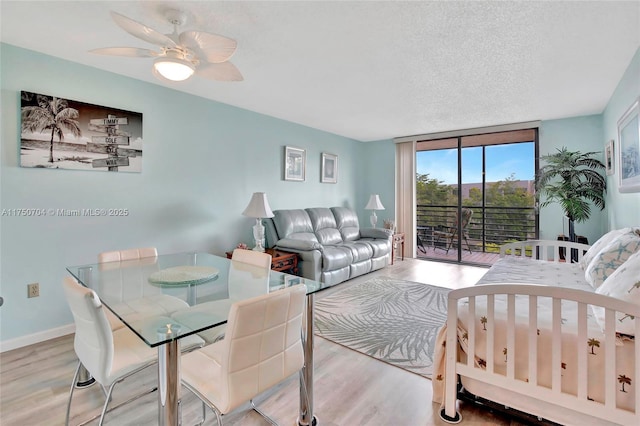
[(262, 347), (143, 305), (109, 355), (243, 282), (129, 254), (252, 257)]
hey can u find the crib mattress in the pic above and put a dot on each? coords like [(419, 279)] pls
[(515, 270)]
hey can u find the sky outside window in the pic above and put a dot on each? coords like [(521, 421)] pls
[(502, 162)]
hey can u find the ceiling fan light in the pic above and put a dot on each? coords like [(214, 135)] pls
[(174, 69)]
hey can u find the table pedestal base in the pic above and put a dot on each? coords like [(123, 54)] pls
[(169, 384), (84, 378)]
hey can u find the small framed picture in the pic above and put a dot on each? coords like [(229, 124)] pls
[(629, 149), (609, 158), (295, 160), (329, 168)]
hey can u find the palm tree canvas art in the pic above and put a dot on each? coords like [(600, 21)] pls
[(60, 133)]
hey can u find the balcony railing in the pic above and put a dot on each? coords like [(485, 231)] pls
[(489, 228)]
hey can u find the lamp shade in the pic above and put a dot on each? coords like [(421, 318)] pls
[(173, 68), (374, 203), (258, 206)]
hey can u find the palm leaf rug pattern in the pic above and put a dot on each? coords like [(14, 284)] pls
[(392, 320)]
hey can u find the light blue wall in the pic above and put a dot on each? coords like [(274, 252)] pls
[(582, 134), (202, 161), (626, 207), (378, 177)]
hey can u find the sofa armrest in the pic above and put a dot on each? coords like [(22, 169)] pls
[(299, 245), (376, 233)]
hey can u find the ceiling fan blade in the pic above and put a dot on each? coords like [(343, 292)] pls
[(131, 52), (224, 71), (141, 31), (209, 47)]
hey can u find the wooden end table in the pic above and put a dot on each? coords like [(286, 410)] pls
[(398, 239), (281, 261)]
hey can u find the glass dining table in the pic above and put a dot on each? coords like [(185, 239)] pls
[(172, 294)]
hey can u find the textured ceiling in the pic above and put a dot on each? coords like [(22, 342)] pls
[(371, 70)]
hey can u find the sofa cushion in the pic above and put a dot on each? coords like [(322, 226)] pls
[(324, 225), (336, 257), (347, 222), (380, 247), (360, 268), (611, 257), (359, 251), (299, 243), (624, 284), (288, 222)]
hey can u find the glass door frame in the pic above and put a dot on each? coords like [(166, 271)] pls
[(459, 207)]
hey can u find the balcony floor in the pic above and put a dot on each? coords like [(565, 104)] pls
[(474, 257)]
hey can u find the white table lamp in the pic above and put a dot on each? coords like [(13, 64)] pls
[(373, 205), (258, 207)]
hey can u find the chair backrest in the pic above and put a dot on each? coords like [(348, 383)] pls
[(252, 257), (466, 217), (249, 274), (125, 275), (129, 254), (93, 342), (262, 345)]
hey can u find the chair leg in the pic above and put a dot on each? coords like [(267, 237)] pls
[(264, 416), (468, 246), (106, 403), (218, 417), (451, 241), (73, 386), (205, 403), (436, 241), (420, 244)]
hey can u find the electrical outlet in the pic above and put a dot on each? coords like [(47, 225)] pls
[(33, 290)]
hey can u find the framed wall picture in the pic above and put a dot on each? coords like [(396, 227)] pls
[(629, 149), (609, 159), (59, 133), (295, 160), (329, 168)]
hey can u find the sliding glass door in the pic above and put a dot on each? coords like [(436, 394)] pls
[(475, 193)]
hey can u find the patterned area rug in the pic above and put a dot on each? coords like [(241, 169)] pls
[(392, 320)]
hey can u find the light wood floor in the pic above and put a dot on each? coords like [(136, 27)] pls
[(350, 388)]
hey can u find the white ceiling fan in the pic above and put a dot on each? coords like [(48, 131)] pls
[(181, 54)]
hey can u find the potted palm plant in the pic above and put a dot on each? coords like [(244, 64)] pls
[(574, 180)]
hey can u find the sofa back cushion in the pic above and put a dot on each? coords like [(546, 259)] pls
[(294, 224), (324, 225), (347, 222)]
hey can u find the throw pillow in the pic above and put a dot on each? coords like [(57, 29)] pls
[(611, 257), (623, 284), (600, 244)]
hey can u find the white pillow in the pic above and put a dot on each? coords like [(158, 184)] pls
[(611, 257), (600, 244), (623, 284)]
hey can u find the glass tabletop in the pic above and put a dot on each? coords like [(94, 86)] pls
[(176, 295)]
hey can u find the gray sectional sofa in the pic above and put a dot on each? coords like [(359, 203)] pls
[(331, 245)]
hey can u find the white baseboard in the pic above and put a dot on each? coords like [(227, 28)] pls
[(19, 342)]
